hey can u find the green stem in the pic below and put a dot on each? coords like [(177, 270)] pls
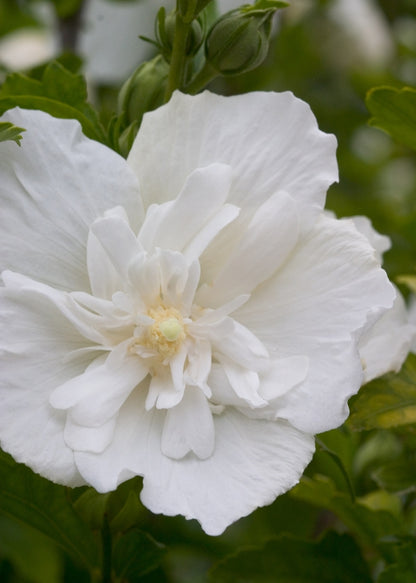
[(201, 79), (178, 60), (107, 551)]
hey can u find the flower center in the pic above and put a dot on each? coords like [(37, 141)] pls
[(167, 331)]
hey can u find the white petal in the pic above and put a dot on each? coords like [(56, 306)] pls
[(316, 308), (381, 243), (104, 279), (35, 340), (244, 382), (271, 141), (92, 439), (52, 189), (189, 427), (178, 280), (283, 375), (239, 344), (96, 395), (162, 392), (253, 462), (173, 225), (118, 241), (226, 215), (385, 346), (269, 238), (79, 318), (144, 274)]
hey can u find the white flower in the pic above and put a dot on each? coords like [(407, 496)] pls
[(190, 315), (385, 345)]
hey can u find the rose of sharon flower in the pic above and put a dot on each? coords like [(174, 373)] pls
[(191, 315), (385, 345)]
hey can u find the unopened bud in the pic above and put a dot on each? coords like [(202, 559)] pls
[(144, 90), (239, 41), (165, 33)]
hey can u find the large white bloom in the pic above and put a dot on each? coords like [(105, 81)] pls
[(190, 315)]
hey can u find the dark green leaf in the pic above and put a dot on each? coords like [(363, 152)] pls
[(60, 93), (10, 132), (31, 554), (136, 554), (394, 111), (336, 558), (45, 506), (397, 476), (370, 525), (403, 570), (389, 401)]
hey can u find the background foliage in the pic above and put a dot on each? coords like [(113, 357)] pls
[(352, 518)]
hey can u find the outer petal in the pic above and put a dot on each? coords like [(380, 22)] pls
[(253, 462), (316, 306), (271, 140), (52, 189), (384, 347), (35, 341)]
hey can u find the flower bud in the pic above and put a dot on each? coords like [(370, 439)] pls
[(239, 41), (144, 90), (165, 32)]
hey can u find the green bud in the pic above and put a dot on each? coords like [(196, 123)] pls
[(144, 90), (239, 41), (165, 32)]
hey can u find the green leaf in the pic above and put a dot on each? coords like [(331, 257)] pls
[(370, 525), (31, 554), (45, 506), (408, 280), (396, 476), (386, 402), (59, 92), (288, 560), (10, 132), (403, 570), (135, 554), (394, 111)]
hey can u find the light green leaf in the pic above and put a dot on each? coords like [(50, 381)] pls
[(135, 554), (45, 506), (394, 111), (408, 280), (59, 92), (335, 558), (389, 401), (10, 132)]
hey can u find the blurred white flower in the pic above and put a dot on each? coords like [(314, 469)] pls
[(190, 315), (25, 48), (385, 345), (367, 32)]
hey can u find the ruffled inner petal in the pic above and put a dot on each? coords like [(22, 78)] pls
[(189, 427), (96, 395), (173, 225), (265, 244)]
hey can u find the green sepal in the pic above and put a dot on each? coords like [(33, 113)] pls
[(8, 131)]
